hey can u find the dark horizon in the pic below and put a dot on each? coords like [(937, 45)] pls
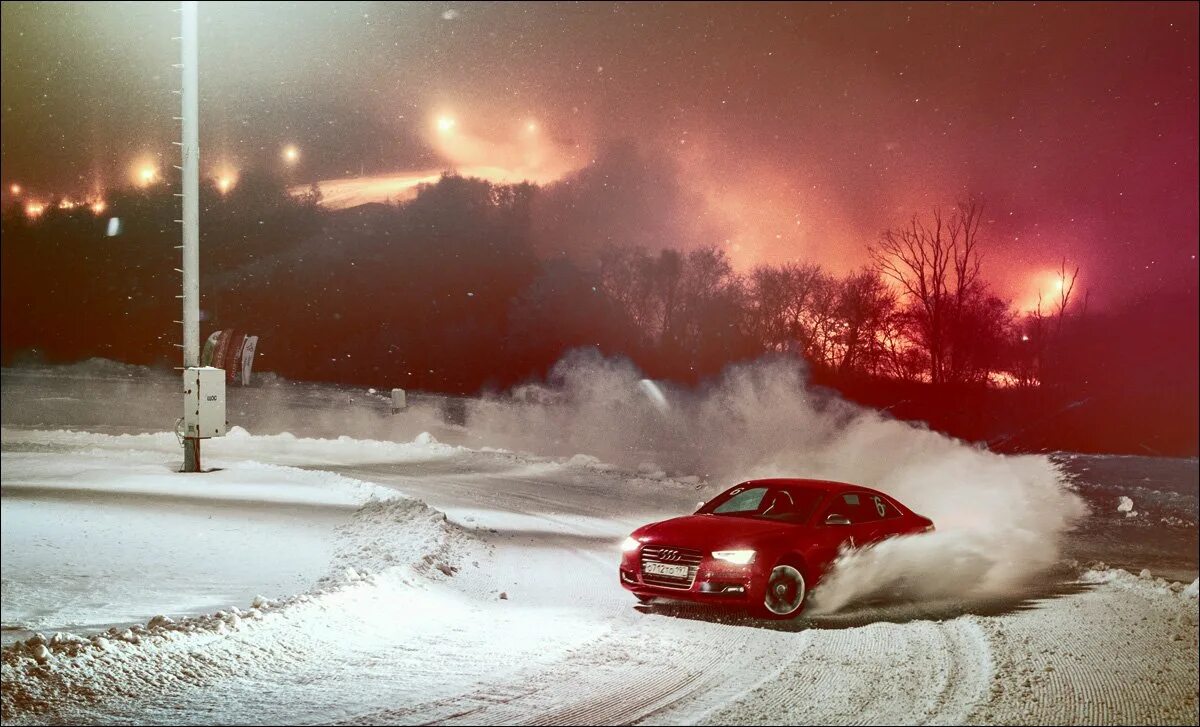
[(460, 290)]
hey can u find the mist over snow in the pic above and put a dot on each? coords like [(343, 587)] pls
[(999, 518)]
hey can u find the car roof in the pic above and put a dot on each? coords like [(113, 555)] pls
[(830, 486)]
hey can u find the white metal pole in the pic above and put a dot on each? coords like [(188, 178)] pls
[(191, 207)]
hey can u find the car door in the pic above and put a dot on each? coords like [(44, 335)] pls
[(843, 535), (865, 522), (865, 525)]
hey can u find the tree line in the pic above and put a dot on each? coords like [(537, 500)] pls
[(465, 288)]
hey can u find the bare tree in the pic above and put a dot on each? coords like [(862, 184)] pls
[(625, 277), (1043, 329), (706, 280), (1065, 285), (791, 306), (936, 264), (865, 309), (678, 301)]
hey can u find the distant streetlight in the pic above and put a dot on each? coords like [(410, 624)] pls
[(291, 154), (34, 209), (224, 184), (148, 175), (99, 206), (446, 124), (16, 189), (531, 127)]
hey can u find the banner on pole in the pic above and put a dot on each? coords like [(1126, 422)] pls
[(232, 351)]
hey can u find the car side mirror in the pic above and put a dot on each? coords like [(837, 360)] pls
[(835, 519), (700, 505)]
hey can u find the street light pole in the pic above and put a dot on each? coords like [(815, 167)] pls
[(191, 208)]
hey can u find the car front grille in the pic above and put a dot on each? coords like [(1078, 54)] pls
[(671, 556)]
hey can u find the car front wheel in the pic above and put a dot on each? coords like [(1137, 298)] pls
[(785, 592)]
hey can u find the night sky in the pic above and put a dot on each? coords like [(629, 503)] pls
[(803, 130)]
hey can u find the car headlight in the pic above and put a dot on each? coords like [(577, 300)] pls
[(629, 544), (738, 557)]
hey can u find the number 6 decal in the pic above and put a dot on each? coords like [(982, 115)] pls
[(880, 507)]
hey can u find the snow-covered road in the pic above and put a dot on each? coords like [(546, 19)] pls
[(416, 582)]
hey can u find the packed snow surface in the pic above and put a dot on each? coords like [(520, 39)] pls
[(340, 564)]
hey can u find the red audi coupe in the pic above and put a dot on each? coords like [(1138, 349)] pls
[(763, 544)]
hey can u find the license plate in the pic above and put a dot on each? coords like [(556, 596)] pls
[(665, 569)]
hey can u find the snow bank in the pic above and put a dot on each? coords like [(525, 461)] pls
[(385, 534), (1145, 583), (999, 518), (136, 472), (92, 369), (389, 542), (239, 444)]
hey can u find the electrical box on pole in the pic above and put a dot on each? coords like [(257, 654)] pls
[(203, 402)]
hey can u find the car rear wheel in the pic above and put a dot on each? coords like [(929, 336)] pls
[(785, 592)]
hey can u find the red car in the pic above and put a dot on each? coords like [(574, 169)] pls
[(763, 544)]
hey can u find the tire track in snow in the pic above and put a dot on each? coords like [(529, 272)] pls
[(643, 665), (912, 673), (1110, 655)]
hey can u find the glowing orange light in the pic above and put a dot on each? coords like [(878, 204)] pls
[(99, 206), (1058, 284), (291, 154), (148, 175), (66, 204), (16, 189), (224, 184), (1002, 379), (531, 127), (446, 124), (34, 209)]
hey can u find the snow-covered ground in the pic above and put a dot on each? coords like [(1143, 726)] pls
[(358, 570)]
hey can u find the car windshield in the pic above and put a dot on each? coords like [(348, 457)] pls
[(787, 503)]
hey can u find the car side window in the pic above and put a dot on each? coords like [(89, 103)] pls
[(848, 504), (780, 503), (744, 501), (868, 510), (884, 507)]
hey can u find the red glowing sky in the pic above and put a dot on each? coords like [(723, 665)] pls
[(805, 129)]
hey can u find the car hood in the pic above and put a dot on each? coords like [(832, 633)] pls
[(710, 531)]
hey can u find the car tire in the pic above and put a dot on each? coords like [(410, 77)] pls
[(785, 594)]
